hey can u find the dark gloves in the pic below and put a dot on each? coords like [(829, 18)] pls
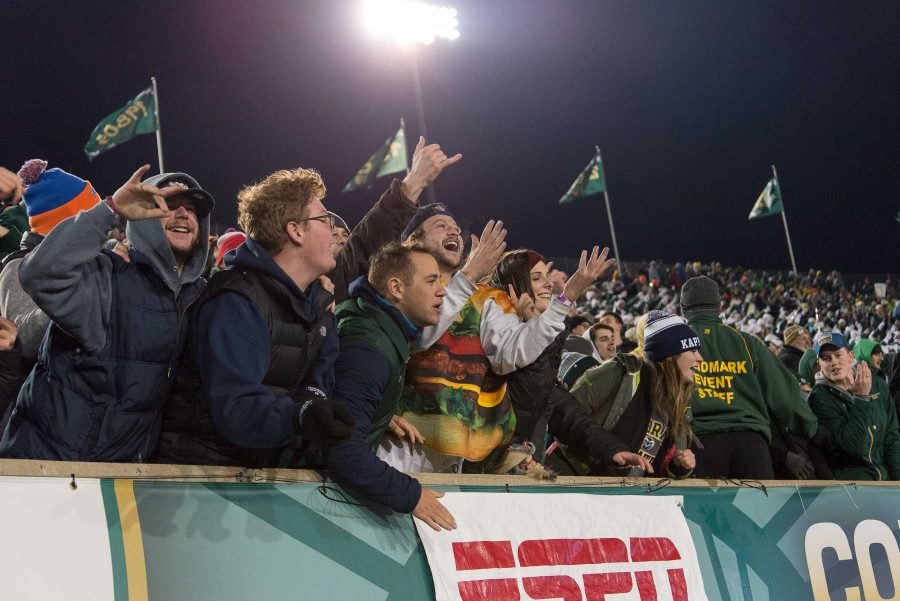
[(322, 420), (799, 466)]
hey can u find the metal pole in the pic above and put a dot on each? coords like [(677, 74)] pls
[(420, 112), (787, 233), (159, 150), (612, 228), (406, 146)]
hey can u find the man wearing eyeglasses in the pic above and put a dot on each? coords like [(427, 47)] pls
[(255, 385)]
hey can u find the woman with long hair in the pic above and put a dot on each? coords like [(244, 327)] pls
[(538, 400), (645, 403)]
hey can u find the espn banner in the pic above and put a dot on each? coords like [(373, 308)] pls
[(154, 540), (566, 546)]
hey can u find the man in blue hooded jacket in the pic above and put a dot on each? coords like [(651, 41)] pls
[(258, 371), (108, 359)]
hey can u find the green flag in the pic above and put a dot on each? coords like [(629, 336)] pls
[(769, 201), (136, 117), (590, 181), (390, 158)]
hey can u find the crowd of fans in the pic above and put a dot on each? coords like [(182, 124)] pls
[(129, 334)]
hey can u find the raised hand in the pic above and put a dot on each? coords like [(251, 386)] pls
[(328, 285), (589, 269), (10, 186), (136, 200), (427, 164), (524, 305), (624, 458), (862, 381), (432, 512), (8, 333), (485, 251)]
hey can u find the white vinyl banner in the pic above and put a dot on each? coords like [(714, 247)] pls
[(574, 547), (55, 541)]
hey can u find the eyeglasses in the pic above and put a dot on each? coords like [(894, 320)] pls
[(327, 218)]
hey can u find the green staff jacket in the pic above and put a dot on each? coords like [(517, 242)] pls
[(740, 383)]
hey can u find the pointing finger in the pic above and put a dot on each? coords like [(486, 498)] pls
[(453, 160)]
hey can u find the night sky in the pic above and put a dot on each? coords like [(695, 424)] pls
[(691, 103)]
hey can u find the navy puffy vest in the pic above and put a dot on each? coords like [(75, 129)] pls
[(106, 406)]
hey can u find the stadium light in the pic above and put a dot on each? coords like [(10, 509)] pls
[(411, 22)]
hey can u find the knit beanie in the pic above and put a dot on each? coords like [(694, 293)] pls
[(667, 335), (421, 215), (792, 332), (52, 195), (230, 240), (572, 366), (700, 294)]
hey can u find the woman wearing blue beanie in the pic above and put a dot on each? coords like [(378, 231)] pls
[(645, 404)]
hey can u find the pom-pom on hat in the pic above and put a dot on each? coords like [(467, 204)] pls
[(667, 335), (230, 240), (52, 195)]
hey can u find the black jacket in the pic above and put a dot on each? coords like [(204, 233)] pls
[(541, 404), (9, 380), (236, 397), (382, 224), (790, 357)]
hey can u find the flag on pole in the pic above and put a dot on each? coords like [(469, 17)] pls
[(390, 158), (592, 180), (135, 118), (769, 201)]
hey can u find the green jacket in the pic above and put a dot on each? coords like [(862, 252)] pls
[(359, 319), (15, 219), (863, 430), (740, 383), (807, 367)]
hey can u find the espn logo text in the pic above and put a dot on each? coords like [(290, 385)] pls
[(590, 553)]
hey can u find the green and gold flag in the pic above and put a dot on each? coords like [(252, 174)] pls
[(135, 118), (590, 181), (769, 201), (390, 158)]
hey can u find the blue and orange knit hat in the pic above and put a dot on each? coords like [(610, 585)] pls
[(52, 195)]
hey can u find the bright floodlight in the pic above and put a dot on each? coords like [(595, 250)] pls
[(410, 22)]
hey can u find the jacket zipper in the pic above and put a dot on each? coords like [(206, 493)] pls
[(181, 314), (871, 445)]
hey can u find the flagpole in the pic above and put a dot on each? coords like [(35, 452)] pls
[(612, 228), (403, 127), (159, 150), (784, 219)]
